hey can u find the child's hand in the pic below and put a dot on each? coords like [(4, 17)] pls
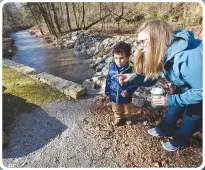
[(124, 93), (104, 98)]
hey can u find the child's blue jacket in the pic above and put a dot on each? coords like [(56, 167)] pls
[(113, 89)]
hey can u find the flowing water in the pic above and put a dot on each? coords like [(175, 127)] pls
[(65, 63)]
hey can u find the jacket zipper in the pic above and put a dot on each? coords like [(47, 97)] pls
[(117, 93), (117, 98)]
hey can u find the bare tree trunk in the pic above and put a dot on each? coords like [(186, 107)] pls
[(35, 18), (83, 17), (9, 14), (101, 13), (46, 19), (121, 15), (170, 7), (79, 14), (46, 5), (96, 21), (56, 18), (75, 15), (4, 17), (103, 21), (40, 6), (90, 25), (68, 16), (61, 14), (49, 11)]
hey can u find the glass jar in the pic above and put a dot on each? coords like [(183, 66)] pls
[(156, 92)]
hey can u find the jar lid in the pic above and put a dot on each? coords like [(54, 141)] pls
[(157, 90)]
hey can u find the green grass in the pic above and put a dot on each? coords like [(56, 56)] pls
[(22, 94)]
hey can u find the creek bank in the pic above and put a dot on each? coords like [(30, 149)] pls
[(9, 49)]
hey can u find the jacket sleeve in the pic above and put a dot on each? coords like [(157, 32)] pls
[(140, 80), (191, 71), (107, 85), (132, 86)]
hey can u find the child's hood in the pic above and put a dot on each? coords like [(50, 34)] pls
[(125, 67)]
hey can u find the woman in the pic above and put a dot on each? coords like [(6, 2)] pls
[(176, 56)]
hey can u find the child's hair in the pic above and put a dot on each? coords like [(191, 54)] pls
[(122, 47)]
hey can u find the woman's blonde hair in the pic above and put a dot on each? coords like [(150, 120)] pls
[(160, 36)]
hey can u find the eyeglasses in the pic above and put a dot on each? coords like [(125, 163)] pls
[(141, 43)]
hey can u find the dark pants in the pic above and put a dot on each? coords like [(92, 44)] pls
[(191, 119)]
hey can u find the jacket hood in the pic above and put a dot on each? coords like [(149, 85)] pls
[(181, 41), (125, 67)]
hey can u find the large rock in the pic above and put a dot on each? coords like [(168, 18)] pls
[(98, 74), (74, 90), (102, 89), (74, 38), (10, 50), (105, 70), (100, 67), (88, 84), (98, 61), (109, 59), (95, 79), (90, 51), (19, 67), (70, 44), (139, 102), (69, 88)]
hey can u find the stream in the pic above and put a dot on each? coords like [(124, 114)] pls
[(37, 53)]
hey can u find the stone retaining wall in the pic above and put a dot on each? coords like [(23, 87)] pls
[(69, 88)]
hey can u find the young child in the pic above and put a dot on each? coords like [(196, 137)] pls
[(120, 93)]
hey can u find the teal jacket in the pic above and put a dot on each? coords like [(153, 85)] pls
[(183, 65)]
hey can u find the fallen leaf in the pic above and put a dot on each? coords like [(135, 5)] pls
[(164, 163), (127, 155), (156, 165)]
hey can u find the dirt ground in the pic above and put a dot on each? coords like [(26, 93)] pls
[(79, 134), (132, 146)]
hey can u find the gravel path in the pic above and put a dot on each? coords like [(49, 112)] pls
[(53, 136), (78, 134)]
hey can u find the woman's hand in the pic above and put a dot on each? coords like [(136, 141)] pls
[(127, 77), (161, 101), (124, 93)]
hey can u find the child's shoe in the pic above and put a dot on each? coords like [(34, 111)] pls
[(128, 121), (118, 121)]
